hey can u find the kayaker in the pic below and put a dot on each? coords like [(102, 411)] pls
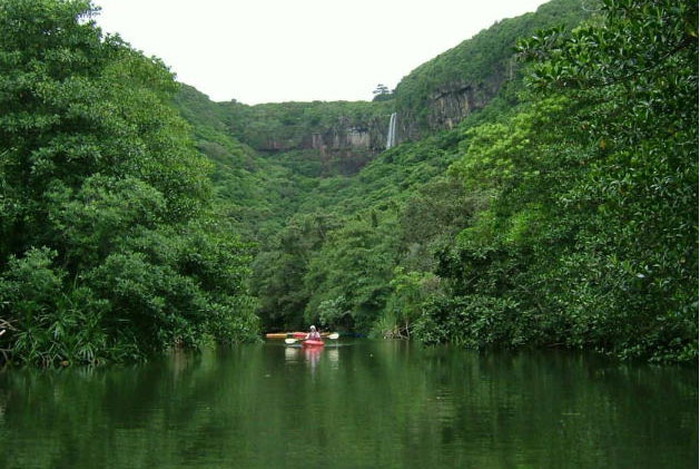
[(313, 334)]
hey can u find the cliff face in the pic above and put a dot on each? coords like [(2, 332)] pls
[(451, 104), (344, 148), (316, 138), (343, 137), (445, 108), (349, 137), (352, 137)]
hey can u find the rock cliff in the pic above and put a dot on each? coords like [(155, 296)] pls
[(342, 136), (445, 108)]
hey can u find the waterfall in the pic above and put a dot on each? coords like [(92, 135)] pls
[(391, 135)]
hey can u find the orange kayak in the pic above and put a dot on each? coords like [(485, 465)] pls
[(285, 335)]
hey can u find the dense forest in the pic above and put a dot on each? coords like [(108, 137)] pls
[(112, 247), (543, 194)]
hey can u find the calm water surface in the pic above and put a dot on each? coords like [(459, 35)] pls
[(363, 404)]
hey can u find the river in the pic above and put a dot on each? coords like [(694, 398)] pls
[(360, 404)]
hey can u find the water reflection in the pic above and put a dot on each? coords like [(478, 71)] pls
[(333, 356), (292, 354), (369, 404), (311, 356)]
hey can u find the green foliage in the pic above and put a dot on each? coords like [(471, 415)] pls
[(52, 324), (409, 290), (352, 269), (107, 247), (590, 230), (279, 274), (474, 321)]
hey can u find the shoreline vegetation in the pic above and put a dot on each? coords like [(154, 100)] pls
[(136, 215)]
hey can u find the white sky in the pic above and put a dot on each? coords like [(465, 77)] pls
[(258, 51)]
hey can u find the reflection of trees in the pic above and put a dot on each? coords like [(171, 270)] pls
[(369, 405)]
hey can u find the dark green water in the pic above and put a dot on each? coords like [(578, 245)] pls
[(364, 404)]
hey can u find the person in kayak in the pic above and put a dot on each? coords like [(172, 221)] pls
[(313, 334)]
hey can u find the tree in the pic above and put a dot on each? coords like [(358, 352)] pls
[(279, 276), (590, 239), (382, 93), (106, 197), (348, 278)]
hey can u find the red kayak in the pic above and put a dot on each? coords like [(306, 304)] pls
[(313, 343)]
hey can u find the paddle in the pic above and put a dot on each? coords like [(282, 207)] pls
[(332, 336)]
